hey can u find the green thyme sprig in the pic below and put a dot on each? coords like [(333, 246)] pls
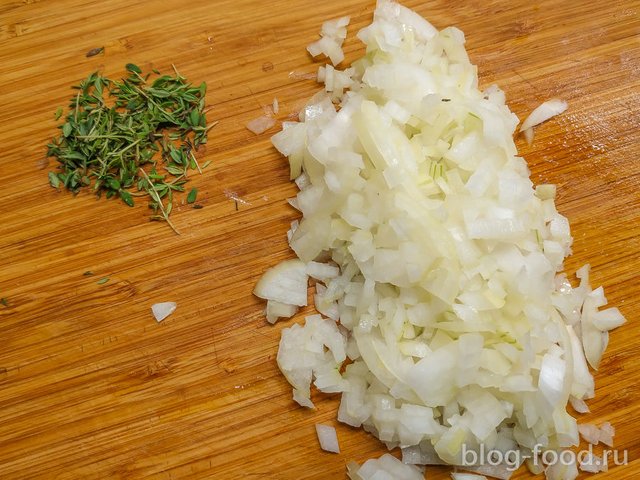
[(116, 133)]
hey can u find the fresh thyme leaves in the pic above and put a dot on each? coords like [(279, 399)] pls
[(131, 138), (103, 280), (4, 302)]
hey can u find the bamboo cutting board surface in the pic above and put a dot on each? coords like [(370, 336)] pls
[(92, 387)]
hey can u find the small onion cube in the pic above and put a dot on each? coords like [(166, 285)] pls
[(607, 432), (528, 135), (163, 310), (322, 271), (579, 405), (387, 467), (276, 310), (285, 283), (590, 433), (261, 124), (328, 438)]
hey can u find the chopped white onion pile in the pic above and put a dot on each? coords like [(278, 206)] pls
[(594, 435), (332, 37), (387, 467), (328, 438), (436, 261), (163, 310), (607, 433), (261, 124), (542, 113)]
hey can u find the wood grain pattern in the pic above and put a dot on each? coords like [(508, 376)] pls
[(90, 385)]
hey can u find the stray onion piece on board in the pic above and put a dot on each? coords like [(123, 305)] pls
[(163, 310), (542, 113), (328, 438), (438, 265)]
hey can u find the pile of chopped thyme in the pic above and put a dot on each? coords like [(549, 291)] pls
[(117, 132)]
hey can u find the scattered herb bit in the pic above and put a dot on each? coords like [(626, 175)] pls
[(88, 273), (4, 302), (132, 138), (446, 99), (103, 280), (95, 51), (54, 181), (191, 197), (197, 206), (156, 203), (133, 68), (58, 113), (126, 197)]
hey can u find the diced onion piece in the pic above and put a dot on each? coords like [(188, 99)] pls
[(322, 271), (528, 135), (563, 469), (467, 476), (591, 463), (544, 112), (302, 181), (285, 283), (163, 310), (387, 467), (328, 438), (534, 465), (275, 106), (421, 454), (608, 319), (276, 310), (579, 405), (546, 191), (502, 471), (607, 432), (590, 433), (583, 384), (261, 124)]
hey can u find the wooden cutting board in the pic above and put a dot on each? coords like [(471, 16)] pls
[(92, 387)]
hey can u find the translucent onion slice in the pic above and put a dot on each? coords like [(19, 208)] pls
[(261, 124), (163, 310), (544, 112)]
